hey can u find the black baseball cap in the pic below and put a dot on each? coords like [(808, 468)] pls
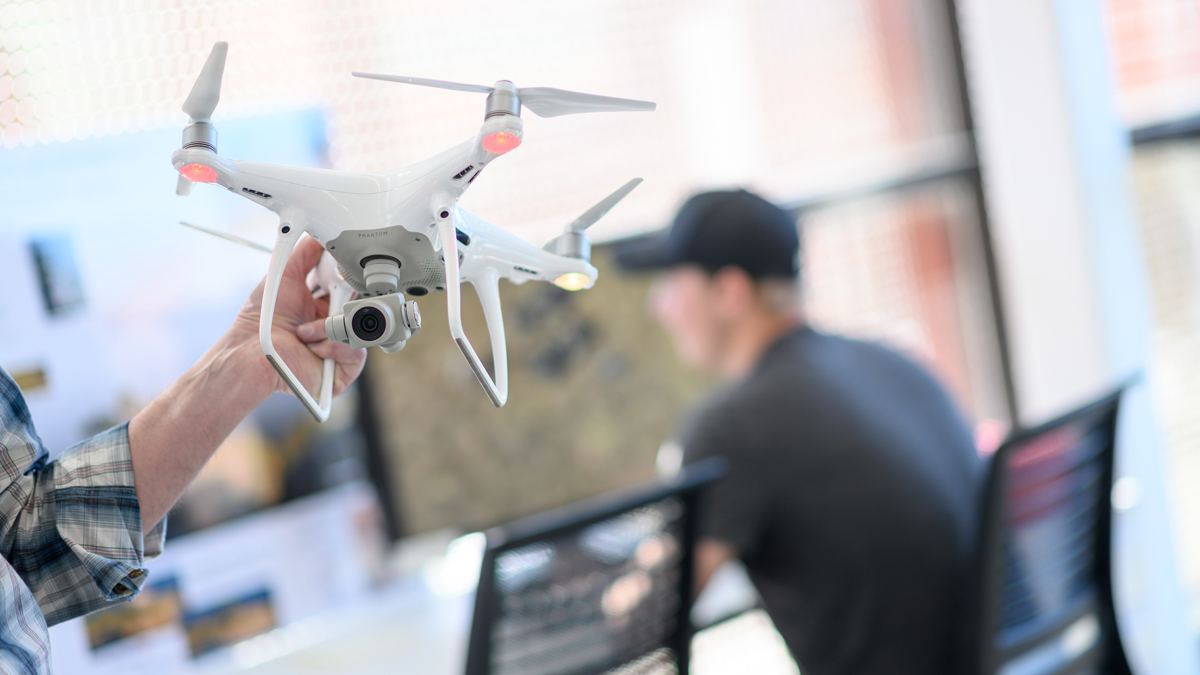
[(720, 229)]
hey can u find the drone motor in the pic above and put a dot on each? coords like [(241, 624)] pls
[(199, 107)]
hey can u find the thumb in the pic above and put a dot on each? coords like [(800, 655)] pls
[(305, 257), (313, 331)]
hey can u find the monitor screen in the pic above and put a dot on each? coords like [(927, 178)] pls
[(604, 586), (1055, 499)]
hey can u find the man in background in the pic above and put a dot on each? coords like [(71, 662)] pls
[(852, 485)]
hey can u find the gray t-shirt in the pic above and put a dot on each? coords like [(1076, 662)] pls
[(852, 499)]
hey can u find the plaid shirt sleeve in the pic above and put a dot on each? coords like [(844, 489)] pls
[(71, 528)]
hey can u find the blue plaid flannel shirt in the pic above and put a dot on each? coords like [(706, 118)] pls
[(70, 532)]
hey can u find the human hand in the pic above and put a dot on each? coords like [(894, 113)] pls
[(298, 329), (172, 438)]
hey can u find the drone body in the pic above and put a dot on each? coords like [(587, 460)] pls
[(389, 236)]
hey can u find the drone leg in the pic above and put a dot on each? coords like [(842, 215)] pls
[(487, 287), (291, 227), (339, 294), (443, 214)]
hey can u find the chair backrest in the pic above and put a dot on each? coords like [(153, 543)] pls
[(604, 585), (1044, 591)]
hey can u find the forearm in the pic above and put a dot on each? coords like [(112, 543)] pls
[(710, 555), (175, 435), (172, 438)]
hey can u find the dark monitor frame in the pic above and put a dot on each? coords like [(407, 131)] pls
[(688, 486), (986, 656)]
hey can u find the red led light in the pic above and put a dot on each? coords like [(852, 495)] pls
[(199, 173), (500, 142)]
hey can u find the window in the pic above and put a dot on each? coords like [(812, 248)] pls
[(1156, 55)]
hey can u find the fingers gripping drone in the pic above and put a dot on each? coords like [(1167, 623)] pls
[(393, 235)]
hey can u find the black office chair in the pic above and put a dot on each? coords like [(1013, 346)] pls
[(1044, 603)]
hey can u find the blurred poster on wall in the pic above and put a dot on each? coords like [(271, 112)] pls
[(156, 607), (58, 273), (230, 623)]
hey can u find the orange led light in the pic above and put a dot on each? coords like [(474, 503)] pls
[(572, 281), (199, 173), (500, 142)]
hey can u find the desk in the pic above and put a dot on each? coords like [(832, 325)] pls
[(403, 628), (417, 623), (408, 628)]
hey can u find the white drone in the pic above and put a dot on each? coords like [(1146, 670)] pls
[(401, 232)]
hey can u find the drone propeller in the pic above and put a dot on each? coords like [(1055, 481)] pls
[(541, 101), (551, 102), (574, 242), (228, 237), (205, 94), (605, 205), (440, 84), (323, 280)]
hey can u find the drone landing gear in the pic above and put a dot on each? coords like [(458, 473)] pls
[(291, 227), (487, 287)]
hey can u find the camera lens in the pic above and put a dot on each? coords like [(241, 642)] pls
[(368, 324)]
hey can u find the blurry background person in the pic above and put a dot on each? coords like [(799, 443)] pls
[(852, 489)]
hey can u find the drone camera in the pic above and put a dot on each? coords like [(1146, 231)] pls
[(368, 324), (386, 321)]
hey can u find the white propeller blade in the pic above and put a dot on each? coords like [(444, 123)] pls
[(440, 84), (605, 205), (541, 101), (551, 102), (228, 237), (205, 94)]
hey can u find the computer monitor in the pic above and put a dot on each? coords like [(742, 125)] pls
[(1044, 576), (603, 585)]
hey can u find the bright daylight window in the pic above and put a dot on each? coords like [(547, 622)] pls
[(1156, 54)]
